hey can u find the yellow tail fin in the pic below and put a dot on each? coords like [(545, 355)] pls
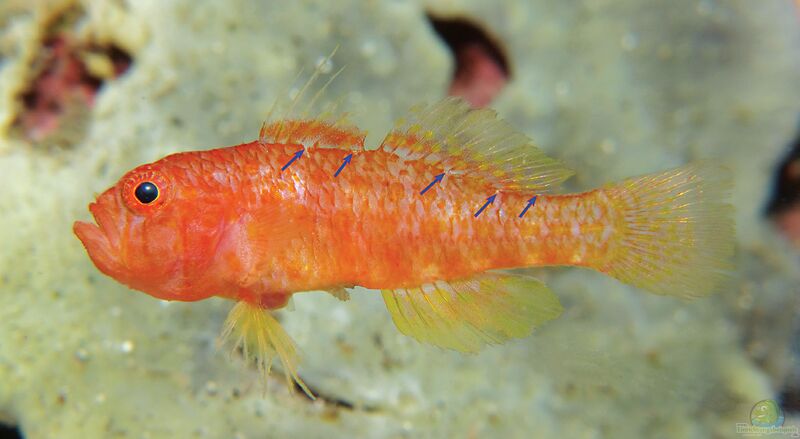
[(260, 336), (675, 235)]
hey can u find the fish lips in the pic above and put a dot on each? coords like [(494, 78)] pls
[(102, 241)]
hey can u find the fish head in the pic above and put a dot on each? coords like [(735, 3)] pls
[(156, 231)]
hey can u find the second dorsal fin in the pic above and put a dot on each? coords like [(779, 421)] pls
[(476, 143)]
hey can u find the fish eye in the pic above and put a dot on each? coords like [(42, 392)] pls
[(146, 192)]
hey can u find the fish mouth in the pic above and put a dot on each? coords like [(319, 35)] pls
[(101, 240)]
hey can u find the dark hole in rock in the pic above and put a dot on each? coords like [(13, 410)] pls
[(790, 399), (481, 66), (55, 106), (784, 204), (787, 180), (120, 59), (9, 432), (784, 208)]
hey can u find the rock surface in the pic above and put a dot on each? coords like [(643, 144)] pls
[(614, 88)]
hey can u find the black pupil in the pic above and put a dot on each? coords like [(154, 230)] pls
[(146, 192)]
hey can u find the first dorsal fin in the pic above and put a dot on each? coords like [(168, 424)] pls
[(304, 120), (317, 133), (464, 141), (468, 314)]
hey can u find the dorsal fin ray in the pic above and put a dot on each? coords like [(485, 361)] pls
[(311, 126), (475, 143)]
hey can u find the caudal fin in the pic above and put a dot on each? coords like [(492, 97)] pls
[(676, 233)]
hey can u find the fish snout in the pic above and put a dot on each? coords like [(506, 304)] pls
[(101, 240)]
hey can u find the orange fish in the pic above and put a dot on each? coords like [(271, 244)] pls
[(431, 218)]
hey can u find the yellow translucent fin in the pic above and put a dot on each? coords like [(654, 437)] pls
[(675, 233), (340, 293), (298, 120), (464, 141), (469, 314), (261, 337)]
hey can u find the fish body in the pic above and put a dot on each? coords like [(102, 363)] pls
[(252, 230), (428, 218)]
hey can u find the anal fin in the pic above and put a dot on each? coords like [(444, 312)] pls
[(468, 314)]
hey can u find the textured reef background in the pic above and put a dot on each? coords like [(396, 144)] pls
[(614, 88)]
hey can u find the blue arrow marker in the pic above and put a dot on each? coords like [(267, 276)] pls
[(489, 201), (344, 163), (297, 155), (531, 202), (435, 180)]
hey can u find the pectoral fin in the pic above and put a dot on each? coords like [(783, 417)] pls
[(468, 314), (340, 293), (261, 338)]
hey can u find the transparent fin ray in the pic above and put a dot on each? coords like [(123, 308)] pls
[(469, 314), (463, 141), (676, 232), (261, 338), (311, 126)]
